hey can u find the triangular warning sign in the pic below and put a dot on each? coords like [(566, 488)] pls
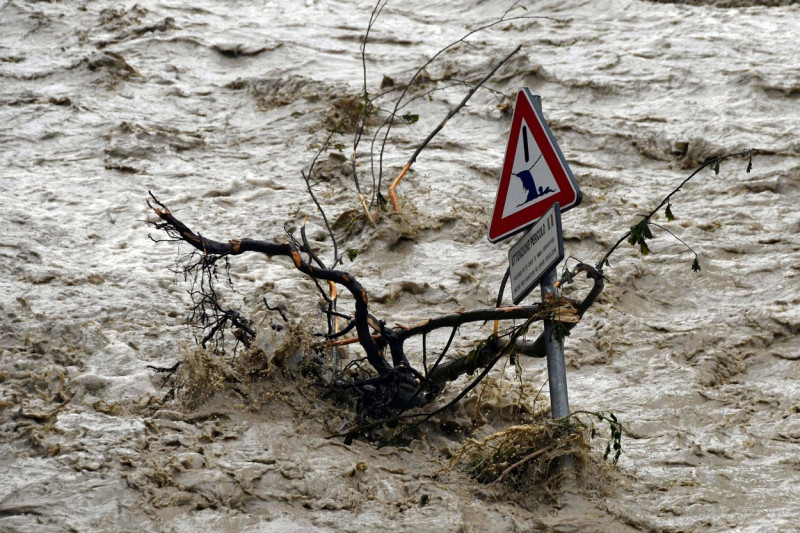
[(535, 174)]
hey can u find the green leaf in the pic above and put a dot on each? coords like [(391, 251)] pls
[(643, 247), (640, 232), (696, 265), (750, 164), (636, 234), (339, 146), (410, 118), (560, 332), (670, 216), (352, 253), (715, 167)]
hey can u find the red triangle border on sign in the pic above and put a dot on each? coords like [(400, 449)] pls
[(569, 194)]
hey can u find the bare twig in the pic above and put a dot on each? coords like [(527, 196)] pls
[(441, 125), (276, 308), (364, 109), (503, 18), (307, 179)]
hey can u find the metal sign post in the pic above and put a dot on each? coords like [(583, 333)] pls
[(533, 261), (556, 368)]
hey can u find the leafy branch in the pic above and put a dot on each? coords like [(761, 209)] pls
[(696, 262), (614, 426), (640, 233)]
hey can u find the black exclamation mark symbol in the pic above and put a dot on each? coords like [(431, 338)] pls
[(525, 142)]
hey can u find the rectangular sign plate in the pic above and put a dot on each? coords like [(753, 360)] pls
[(539, 250)]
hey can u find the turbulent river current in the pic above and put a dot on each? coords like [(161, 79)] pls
[(217, 107)]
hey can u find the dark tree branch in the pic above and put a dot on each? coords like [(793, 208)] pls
[(178, 230), (563, 306), (397, 386)]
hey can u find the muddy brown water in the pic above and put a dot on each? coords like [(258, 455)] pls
[(216, 107)]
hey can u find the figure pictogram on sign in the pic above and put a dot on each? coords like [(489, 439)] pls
[(535, 174), (530, 176)]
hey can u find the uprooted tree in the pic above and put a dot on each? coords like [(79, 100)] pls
[(391, 385), (394, 385)]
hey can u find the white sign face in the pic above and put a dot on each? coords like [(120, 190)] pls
[(535, 181), (539, 250)]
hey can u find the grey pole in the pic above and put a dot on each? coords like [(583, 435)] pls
[(556, 369)]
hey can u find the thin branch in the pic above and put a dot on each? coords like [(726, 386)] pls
[(307, 179), (425, 354), (675, 237), (421, 96), (444, 351), (364, 111), (441, 125), (503, 18), (307, 246), (499, 299), (666, 200), (276, 308), (347, 329)]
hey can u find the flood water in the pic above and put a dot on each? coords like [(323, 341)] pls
[(217, 107)]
